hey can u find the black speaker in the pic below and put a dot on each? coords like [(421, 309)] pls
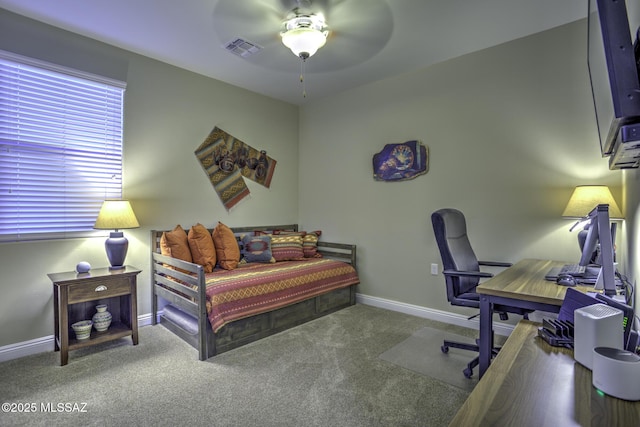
[(633, 345)]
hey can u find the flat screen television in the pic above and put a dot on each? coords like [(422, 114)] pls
[(613, 68)]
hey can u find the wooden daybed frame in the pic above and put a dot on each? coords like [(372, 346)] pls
[(187, 292)]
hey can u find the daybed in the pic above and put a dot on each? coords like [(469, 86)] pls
[(227, 308)]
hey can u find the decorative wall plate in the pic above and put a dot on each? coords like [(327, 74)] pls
[(399, 162)]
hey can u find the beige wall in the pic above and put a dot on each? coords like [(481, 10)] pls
[(632, 193), (632, 215), (510, 132), (168, 113)]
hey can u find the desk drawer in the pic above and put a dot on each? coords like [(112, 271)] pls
[(94, 290)]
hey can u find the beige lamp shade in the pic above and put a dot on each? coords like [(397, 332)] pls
[(587, 197), (116, 215)]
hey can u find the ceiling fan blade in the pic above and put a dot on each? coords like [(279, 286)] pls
[(359, 30), (259, 19)]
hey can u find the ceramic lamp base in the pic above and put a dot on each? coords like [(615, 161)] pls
[(116, 246)]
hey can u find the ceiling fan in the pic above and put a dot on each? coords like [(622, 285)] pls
[(257, 30)]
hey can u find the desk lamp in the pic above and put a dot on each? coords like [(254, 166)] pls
[(116, 215)]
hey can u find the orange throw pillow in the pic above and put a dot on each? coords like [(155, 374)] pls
[(202, 250), (227, 249), (174, 244)]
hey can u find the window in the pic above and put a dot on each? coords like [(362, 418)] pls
[(60, 149)]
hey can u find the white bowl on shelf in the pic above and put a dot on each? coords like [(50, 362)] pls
[(82, 329)]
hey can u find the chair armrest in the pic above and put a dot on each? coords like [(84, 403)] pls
[(466, 273), (495, 263)]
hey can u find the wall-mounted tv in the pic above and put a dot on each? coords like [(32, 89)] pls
[(613, 70)]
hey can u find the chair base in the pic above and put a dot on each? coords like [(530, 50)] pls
[(468, 371)]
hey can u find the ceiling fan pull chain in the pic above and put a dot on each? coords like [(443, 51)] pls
[(302, 73)]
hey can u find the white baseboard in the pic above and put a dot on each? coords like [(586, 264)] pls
[(26, 348), (44, 344), (499, 328)]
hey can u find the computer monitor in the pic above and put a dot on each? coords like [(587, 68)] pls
[(599, 221), (595, 257)]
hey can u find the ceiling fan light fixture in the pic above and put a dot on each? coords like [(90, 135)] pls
[(304, 34)]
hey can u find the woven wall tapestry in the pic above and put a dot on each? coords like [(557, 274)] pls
[(400, 162), (227, 161)]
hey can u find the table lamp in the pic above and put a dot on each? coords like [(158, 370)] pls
[(583, 200), (116, 215)]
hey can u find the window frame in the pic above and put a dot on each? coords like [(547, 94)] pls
[(86, 151)]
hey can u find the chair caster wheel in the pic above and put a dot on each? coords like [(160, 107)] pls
[(468, 373), (445, 349)]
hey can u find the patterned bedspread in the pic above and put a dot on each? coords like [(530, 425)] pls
[(257, 288)]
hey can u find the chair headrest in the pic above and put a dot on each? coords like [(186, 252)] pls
[(451, 222)]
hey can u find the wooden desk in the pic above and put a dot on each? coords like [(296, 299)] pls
[(531, 383), (522, 285)]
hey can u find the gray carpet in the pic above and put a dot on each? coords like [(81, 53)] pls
[(421, 353), (327, 372)]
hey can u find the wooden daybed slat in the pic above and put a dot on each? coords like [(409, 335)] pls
[(184, 291)]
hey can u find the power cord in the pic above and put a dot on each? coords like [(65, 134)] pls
[(628, 294), (628, 288)]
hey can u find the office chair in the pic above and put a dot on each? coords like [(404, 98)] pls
[(462, 273)]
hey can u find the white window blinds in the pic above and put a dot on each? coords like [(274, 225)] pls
[(60, 149)]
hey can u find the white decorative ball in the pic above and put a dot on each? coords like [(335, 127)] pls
[(83, 267)]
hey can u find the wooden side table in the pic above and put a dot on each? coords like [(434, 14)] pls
[(75, 296)]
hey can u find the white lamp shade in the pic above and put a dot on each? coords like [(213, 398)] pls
[(587, 197)]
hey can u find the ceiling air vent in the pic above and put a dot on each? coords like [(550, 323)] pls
[(242, 47)]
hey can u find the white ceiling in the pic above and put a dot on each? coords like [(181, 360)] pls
[(403, 35)]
